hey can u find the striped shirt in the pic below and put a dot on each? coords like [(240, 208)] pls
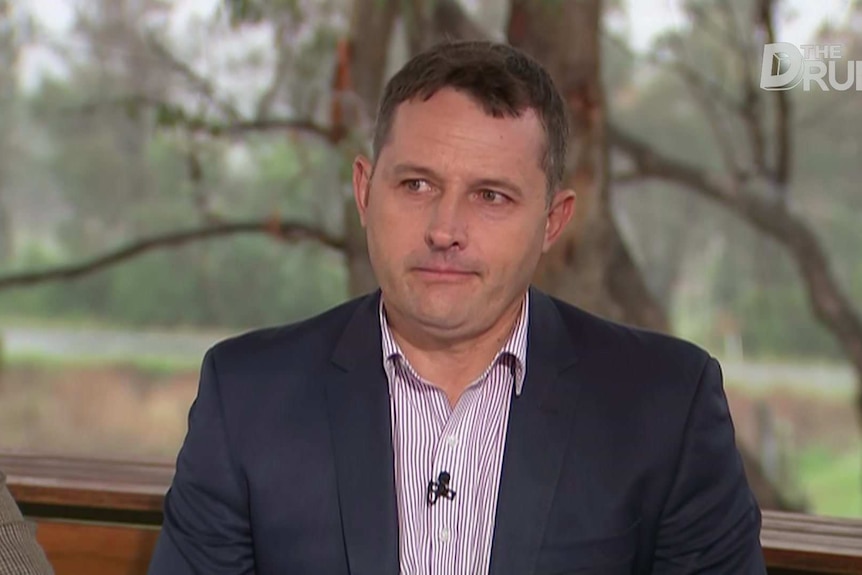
[(453, 536)]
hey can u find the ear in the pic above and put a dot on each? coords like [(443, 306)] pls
[(362, 168), (562, 210)]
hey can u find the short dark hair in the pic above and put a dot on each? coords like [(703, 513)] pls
[(502, 79)]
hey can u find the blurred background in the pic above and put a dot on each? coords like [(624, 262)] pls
[(175, 172)]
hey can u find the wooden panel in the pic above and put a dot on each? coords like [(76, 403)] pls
[(781, 571), (75, 482), (77, 548), (809, 543)]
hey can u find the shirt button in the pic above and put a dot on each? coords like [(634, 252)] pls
[(452, 441), (445, 535)]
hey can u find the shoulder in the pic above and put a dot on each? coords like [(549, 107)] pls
[(8, 510), (273, 374), (636, 379), (310, 339), (614, 337), (631, 356)]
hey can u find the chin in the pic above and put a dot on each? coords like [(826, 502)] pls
[(441, 314)]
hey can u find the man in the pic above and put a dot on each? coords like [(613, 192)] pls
[(459, 421), (20, 553)]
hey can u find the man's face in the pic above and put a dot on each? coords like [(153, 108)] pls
[(456, 213)]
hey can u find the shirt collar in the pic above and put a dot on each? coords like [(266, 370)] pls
[(514, 348)]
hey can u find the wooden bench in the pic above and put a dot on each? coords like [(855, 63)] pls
[(794, 543), (102, 518), (94, 517)]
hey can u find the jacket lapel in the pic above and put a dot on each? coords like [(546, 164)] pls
[(358, 404), (540, 421)]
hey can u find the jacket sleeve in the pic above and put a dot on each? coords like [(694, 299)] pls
[(20, 553), (206, 528), (710, 523)]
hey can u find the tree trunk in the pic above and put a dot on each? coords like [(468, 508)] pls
[(7, 237), (590, 265), (8, 88), (416, 15), (370, 32)]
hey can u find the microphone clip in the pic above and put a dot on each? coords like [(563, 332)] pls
[(439, 488)]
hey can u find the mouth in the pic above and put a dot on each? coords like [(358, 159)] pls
[(448, 274)]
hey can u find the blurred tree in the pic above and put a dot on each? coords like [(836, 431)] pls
[(591, 265), (9, 50), (361, 71), (321, 98), (716, 59), (274, 160), (117, 62)]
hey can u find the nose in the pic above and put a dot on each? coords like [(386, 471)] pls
[(447, 228)]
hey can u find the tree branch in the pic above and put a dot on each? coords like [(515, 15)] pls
[(242, 127), (450, 22), (717, 121), (650, 163), (285, 230), (751, 115), (199, 83), (783, 144), (172, 115), (828, 301), (715, 89), (724, 35), (280, 71)]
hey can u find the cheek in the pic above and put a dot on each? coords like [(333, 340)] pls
[(392, 230), (513, 247)]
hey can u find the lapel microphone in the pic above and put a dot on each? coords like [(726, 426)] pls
[(440, 488)]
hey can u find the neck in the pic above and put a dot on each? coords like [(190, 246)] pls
[(452, 363)]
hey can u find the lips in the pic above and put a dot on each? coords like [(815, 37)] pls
[(444, 273), (452, 271)]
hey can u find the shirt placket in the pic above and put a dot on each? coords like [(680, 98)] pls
[(446, 517)]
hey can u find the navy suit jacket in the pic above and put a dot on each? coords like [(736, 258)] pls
[(619, 457)]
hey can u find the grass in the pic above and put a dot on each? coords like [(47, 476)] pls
[(817, 380), (832, 481), (152, 365), (87, 322), (839, 394), (7, 319)]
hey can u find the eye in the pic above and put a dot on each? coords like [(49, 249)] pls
[(416, 185), (492, 197)]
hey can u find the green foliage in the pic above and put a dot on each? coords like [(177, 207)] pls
[(781, 323), (244, 282), (39, 301), (831, 480), (124, 173), (255, 11)]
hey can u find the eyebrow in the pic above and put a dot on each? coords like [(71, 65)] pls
[(414, 169), (404, 169)]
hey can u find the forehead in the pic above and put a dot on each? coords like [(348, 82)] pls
[(451, 128)]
